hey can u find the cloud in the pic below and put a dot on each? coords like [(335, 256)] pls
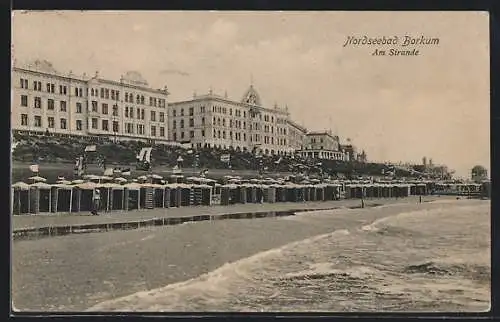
[(174, 72)]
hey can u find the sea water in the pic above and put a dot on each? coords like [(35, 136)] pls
[(427, 260)]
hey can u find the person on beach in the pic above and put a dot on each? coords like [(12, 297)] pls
[(96, 200)]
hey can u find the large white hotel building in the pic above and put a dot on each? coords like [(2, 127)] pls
[(44, 100), (215, 121)]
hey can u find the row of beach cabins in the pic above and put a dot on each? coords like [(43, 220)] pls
[(77, 196)]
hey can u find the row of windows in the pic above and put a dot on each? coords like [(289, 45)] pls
[(37, 103), (140, 129), (37, 122), (191, 123), (63, 124), (191, 135), (105, 93), (50, 87)]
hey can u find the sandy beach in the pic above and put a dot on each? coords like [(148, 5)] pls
[(77, 272)]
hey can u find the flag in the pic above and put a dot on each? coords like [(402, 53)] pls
[(126, 172), (34, 168), (90, 148), (108, 172)]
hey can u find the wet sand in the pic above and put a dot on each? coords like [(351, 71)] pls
[(75, 272), (44, 220)]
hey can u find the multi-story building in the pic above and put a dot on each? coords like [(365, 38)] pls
[(215, 121), (44, 100), (296, 136), (322, 145)]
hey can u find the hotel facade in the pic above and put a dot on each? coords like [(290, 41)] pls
[(215, 121), (322, 145), (44, 100)]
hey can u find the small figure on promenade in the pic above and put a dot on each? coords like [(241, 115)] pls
[(420, 199), (96, 201)]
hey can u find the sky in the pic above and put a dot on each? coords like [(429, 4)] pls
[(402, 108)]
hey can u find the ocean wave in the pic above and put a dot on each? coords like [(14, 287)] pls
[(206, 288), (345, 270)]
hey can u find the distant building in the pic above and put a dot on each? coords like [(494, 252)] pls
[(216, 121), (349, 151), (479, 173), (297, 135), (322, 145), (44, 100)]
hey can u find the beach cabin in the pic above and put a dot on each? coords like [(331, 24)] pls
[(85, 194), (62, 197), (40, 198), (20, 198), (132, 196)]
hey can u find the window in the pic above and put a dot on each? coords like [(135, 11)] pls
[(162, 117), (48, 87), (174, 124), (131, 98), (191, 122), (142, 100), (52, 88), (76, 91), (80, 92), (24, 83), (154, 102), (153, 130), (182, 112), (137, 99), (50, 104), (115, 126), (126, 97), (63, 124), (94, 123), (102, 92), (94, 106), (117, 95), (191, 134), (142, 114), (182, 135), (104, 108), (105, 125), (106, 91), (150, 101), (50, 121), (64, 90), (24, 100), (131, 115), (202, 121), (162, 131), (38, 102), (115, 110), (153, 116), (182, 124), (112, 94), (79, 125), (126, 111), (202, 133), (174, 113), (24, 119), (63, 106), (191, 111), (78, 107), (38, 121), (37, 86)]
